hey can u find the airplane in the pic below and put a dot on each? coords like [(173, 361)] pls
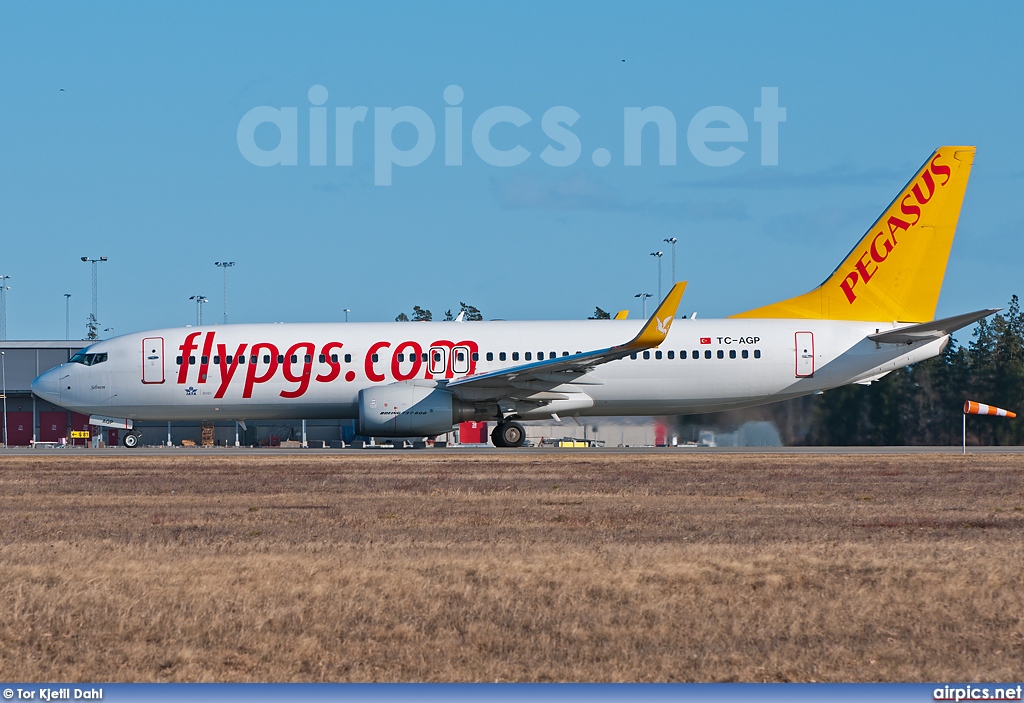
[(872, 315)]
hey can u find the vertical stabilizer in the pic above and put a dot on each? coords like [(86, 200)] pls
[(895, 272)]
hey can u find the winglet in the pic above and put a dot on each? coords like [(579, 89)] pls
[(656, 329), (621, 315)]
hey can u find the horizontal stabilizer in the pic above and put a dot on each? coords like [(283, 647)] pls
[(930, 330)]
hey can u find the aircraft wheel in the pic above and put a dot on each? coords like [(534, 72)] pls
[(509, 434), (130, 440)]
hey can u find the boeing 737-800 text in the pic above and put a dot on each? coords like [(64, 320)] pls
[(872, 315)]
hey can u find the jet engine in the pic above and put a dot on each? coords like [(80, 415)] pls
[(411, 409)]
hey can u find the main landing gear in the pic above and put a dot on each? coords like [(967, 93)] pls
[(130, 440), (508, 434)]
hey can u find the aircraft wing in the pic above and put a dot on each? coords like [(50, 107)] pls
[(565, 369), (928, 331)]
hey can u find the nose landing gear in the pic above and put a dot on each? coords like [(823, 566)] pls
[(131, 440), (508, 434)]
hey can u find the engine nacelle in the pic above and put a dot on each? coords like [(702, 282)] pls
[(407, 409)]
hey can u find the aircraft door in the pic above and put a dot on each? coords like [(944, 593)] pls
[(153, 360), (460, 359), (804, 354), (438, 361)]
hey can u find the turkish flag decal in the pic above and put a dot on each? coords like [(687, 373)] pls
[(705, 340)]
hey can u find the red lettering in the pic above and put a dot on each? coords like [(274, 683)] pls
[(862, 268), (186, 349), (414, 357), (887, 245), (896, 223), (302, 378), (848, 283), (250, 373), (368, 364), (928, 181), (910, 210), (335, 366), (941, 170), (204, 361), (227, 370)]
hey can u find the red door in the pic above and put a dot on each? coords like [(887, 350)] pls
[(53, 425), (19, 428)]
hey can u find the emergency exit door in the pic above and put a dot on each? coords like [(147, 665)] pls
[(153, 360), (804, 354)]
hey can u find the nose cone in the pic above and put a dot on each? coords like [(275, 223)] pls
[(47, 386)]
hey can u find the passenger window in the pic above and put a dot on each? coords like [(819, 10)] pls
[(647, 355), (280, 359), (461, 356), (633, 356), (707, 353), (682, 354), (216, 360), (732, 353), (191, 361), (178, 361), (565, 353), (746, 353), (308, 359), (476, 356), (696, 353), (348, 358), (266, 358), (423, 356), (528, 356), (657, 355), (295, 359), (206, 360), (401, 358), (490, 356), (540, 356), (515, 356), (334, 358), (757, 353), (501, 356), (721, 354), (375, 358), (671, 355), (323, 358)]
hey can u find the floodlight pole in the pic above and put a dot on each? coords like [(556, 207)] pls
[(67, 316), (672, 241), (658, 255), (3, 305), (965, 433), (200, 299), (225, 265), (644, 297), (95, 286)]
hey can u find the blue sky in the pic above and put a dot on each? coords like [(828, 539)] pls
[(138, 159)]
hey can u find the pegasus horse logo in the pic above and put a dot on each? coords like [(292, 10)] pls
[(663, 323)]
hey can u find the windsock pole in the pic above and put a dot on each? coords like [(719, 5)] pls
[(972, 407)]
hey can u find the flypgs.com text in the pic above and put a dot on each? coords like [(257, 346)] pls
[(712, 134)]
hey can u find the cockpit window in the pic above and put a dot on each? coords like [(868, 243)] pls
[(88, 359)]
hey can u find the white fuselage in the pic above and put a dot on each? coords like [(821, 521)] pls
[(317, 370)]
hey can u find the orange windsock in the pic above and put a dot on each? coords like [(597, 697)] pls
[(973, 408)]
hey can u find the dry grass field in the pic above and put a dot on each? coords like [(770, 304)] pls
[(520, 567)]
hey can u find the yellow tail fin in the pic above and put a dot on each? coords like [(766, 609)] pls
[(895, 272)]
